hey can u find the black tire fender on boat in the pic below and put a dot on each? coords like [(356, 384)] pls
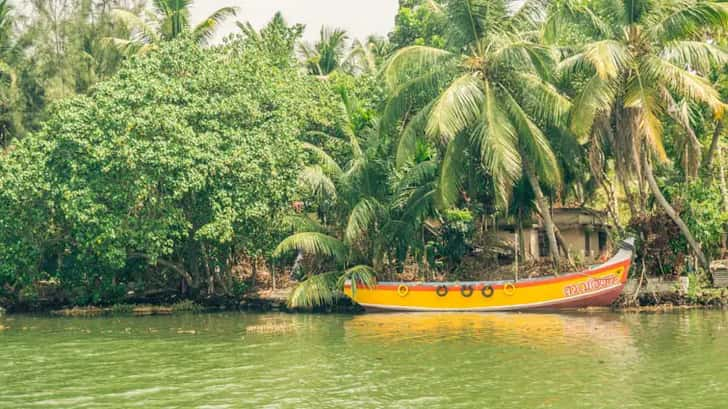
[(441, 290), (487, 291), (466, 290)]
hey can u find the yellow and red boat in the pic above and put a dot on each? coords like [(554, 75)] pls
[(597, 286)]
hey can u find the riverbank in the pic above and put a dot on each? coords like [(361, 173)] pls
[(651, 296), (260, 301)]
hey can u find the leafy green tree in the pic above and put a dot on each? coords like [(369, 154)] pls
[(183, 162), (419, 22), (496, 99), (168, 20), (637, 59)]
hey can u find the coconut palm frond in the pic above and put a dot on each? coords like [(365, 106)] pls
[(608, 57), (498, 141), (683, 82), (527, 55), (456, 108), (144, 33), (411, 61), (361, 58), (471, 20), (406, 97), (354, 144), (316, 291), (418, 175), (363, 216), (128, 47), (689, 19), (549, 104), (412, 132), (597, 95), (697, 55), (356, 167), (318, 181), (533, 142), (529, 15), (419, 203), (358, 275), (327, 163), (451, 173), (313, 243), (206, 29), (303, 224), (640, 96), (574, 64), (570, 12)]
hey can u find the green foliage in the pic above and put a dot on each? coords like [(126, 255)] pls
[(703, 211), (316, 290), (323, 289), (169, 20), (277, 39), (132, 152), (185, 159), (327, 54), (419, 22), (456, 236)]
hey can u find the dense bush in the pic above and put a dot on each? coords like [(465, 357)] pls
[(178, 165)]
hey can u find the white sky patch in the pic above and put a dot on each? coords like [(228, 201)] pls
[(359, 18)]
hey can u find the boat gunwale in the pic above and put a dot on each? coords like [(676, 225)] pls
[(543, 305)]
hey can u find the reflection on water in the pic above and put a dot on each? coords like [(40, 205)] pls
[(434, 360), (532, 329)]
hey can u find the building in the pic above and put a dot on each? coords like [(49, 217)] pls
[(584, 231)]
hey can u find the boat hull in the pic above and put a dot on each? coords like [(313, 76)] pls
[(598, 286)]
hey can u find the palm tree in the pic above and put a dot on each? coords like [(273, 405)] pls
[(362, 220), (277, 38), (496, 98), (166, 21), (639, 58), (327, 54), (367, 56)]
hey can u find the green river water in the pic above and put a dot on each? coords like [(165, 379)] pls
[(239, 360)]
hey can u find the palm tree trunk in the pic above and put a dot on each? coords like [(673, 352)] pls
[(596, 164), (563, 246), (707, 160), (724, 191), (521, 241), (631, 201), (694, 245), (254, 268), (545, 214)]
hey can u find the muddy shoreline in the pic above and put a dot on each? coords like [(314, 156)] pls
[(655, 297), (664, 302)]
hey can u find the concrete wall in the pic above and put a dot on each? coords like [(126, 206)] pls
[(530, 241), (575, 239)]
